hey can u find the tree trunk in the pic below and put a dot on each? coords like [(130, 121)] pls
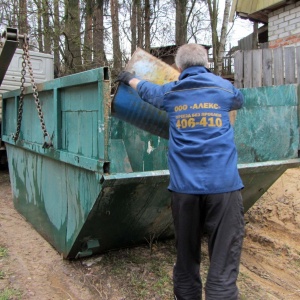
[(133, 25), (23, 18), (218, 44), (147, 25), (47, 27), (56, 37), (72, 37), (98, 35), (14, 15), (39, 23), (88, 36), (180, 24), (213, 13), (140, 24), (221, 49), (117, 55)]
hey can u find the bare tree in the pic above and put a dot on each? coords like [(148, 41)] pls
[(133, 25), (140, 24), (23, 17), (98, 34), (40, 26), (198, 27), (88, 35), (117, 54), (46, 26), (80, 32), (218, 42), (72, 35), (163, 22), (147, 24), (136, 23), (181, 22), (184, 12), (56, 39)]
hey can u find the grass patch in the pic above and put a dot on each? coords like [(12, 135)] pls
[(139, 273), (144, 272), (297, 262), (2, 274), (3, 252), (9, 294)]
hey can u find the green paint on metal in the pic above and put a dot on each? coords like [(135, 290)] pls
[(55, 197), (128, 213), (118, 157), (144, 151), (267, 127), (259, 177), (91, 246), (63, 156), (104, 183)]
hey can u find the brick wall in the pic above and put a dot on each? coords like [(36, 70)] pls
[(284, 26)]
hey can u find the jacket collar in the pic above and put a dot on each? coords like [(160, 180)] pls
[(194, 70)]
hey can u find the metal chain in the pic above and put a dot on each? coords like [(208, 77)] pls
[(21, 101), (26, 57)]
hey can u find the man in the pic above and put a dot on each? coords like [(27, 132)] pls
[(204, 179)]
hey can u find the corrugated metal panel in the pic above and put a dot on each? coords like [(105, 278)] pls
[(42, 66)]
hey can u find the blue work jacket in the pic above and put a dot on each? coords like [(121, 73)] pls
[(202, 155)]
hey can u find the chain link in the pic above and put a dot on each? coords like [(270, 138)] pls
[(21, 101), (27, 62)]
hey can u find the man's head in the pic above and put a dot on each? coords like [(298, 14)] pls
[(190, 55)]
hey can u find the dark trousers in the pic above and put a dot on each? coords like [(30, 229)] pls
[(221, 217)]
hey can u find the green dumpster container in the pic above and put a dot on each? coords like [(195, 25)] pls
[(103, 184)]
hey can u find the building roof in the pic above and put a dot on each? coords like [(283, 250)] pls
[(256, 10)]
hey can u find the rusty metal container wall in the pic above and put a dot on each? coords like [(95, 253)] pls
[(104, 183)]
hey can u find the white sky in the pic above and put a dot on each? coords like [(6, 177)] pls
[(241, 29)]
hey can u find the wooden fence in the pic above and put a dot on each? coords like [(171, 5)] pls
[(267, 67)]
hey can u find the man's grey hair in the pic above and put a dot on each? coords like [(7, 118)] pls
[(189, 55)]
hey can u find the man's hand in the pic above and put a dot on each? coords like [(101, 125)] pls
[(125, 77)]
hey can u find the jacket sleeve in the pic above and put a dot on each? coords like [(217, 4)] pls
[(238, 99), (153, 93)]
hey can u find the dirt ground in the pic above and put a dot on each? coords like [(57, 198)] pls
[(270, 269)]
